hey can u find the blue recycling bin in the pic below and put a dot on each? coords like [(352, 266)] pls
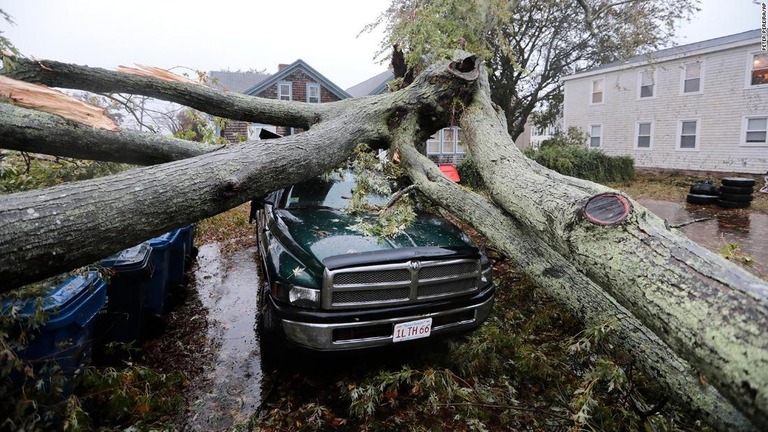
[(176, 254), (156, 295), (121, 320), (187, 235), (66, 335)]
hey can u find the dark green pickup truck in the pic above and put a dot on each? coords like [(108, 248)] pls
[(329, 286)]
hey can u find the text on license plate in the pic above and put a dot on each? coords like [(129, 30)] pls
[(412, 330)]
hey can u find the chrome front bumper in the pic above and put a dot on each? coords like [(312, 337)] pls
[(320, 336)]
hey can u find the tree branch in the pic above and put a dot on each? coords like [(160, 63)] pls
[(234, 106), (34, 131)]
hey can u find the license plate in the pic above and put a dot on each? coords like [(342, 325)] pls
[(412, 330)]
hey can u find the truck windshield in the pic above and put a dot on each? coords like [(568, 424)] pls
[(331, 193)]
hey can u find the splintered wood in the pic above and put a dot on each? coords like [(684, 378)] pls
[(46, 99), (155, 72)]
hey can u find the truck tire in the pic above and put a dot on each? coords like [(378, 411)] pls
[(732, 204), (269, 324), (738, 182), (736, 198), (701, 199), (735, 190)]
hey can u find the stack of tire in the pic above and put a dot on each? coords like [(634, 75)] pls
[(736, 192), (703, 192)]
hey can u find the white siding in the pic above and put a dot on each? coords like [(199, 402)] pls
[(720, 109)]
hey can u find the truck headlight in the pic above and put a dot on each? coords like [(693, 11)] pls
[(304, 297)]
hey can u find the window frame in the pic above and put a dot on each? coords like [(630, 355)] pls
[(683, 72), (602, 134), (748, 77), (744, 129), (290, 90), (697, 136), (592, 91), (640, 75), (319, 92), (650, 135)]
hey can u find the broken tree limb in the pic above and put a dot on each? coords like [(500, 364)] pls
[(42, 98), (712, 313), (38, 132), (577, 293), (47, 231), (229, 105)]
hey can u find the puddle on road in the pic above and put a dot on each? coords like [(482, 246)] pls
[(231, 391), (748, 230)]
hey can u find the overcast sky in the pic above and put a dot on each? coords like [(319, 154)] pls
[(242, 35)]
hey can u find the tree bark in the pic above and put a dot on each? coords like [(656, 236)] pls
[(33, 131), (583, 298), (47, 231), (712, 313)]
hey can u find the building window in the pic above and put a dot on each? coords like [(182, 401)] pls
[(644, 135), (759, 69), (446, 141), (285, 90), (756, 129), (313, 93), (647, 81), (692, 77), (597, 91), (595, 135), (689, 135)]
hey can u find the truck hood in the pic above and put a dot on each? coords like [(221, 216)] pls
[(325, 233)]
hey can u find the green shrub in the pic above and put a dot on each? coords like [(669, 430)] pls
[(469, 174), (581, 162)]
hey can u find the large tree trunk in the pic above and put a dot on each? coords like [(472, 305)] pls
[(627, 268), (575, 291), (712, 313)]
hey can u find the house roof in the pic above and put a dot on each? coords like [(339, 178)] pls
[(236, 81), (298, 64), (691, 49), (372, 86)]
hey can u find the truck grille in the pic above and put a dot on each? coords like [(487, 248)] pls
[(399, 283)]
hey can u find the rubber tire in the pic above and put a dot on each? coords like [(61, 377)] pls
[(701, 199), (735, 190), (704, 189), (738, 182), (732, 205), (270, 328), (736, 198)]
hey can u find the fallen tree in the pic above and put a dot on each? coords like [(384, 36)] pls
[(683, 313)]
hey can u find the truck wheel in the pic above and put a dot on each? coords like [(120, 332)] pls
[(269, 324)]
